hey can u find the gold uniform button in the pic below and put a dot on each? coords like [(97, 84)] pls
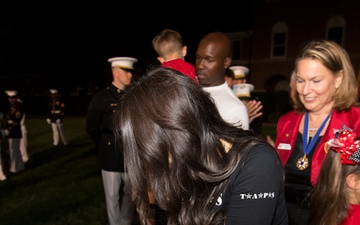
[(109, 143)]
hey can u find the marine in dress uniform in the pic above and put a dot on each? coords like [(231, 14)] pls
[(110, 156), (55, 117), (23, 141), (2, 138), (243, 92), (13, 132)]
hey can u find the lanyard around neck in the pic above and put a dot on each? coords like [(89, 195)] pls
[(308, 146)]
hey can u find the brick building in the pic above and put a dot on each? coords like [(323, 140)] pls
[(281, 26)]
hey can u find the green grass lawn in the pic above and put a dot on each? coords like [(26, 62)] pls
[(60, 185)]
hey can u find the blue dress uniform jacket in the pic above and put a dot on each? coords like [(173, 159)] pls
[(288, 129), (99, 127)]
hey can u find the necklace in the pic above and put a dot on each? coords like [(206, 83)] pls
[(303, 162)]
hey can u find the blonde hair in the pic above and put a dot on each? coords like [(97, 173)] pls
[(168, 42), (337, 60)]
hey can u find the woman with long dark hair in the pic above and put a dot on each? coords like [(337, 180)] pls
[(200, 169)]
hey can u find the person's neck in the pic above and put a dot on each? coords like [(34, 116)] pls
[(173, 57), (320, 114), (118, 85), (215, 84), (316, 118), (353, 198)]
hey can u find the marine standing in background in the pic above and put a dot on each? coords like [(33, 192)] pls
[(2, 138), (23, 141), (243, 92), (229, 77), (13, 132), (55, 117), (99, 126)]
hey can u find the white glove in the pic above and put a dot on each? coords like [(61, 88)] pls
[(58, 121), (6, 132), (48, 121)]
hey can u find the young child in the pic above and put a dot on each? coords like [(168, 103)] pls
[(168, 44), (336, 197)]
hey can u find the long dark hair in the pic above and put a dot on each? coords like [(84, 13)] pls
[(172, 138)]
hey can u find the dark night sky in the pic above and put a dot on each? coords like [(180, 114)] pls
[(76, 43)]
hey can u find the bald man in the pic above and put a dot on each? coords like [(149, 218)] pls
[(213, 56)]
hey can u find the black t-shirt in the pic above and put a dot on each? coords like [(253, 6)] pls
[(255, 191)]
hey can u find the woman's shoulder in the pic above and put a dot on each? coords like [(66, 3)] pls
[(350, 111), (349, 118), (350, 114), (262, 153), (289, 120), (355, 110), (263, 149), (261, 160), (103, 93), (290, 115)]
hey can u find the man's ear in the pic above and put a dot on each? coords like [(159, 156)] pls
[(184, 50), (161, 59), (227, 62)]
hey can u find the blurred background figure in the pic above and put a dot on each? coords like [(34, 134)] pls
[(171, 51), (55, 117), (13, 131), (240, 73), (243, 92), (2, 139), (229, 77), (23, 141), (2, 174)]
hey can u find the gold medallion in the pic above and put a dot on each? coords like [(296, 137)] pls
[(302, 163)]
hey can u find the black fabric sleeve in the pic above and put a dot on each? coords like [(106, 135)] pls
[(94, 119)]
